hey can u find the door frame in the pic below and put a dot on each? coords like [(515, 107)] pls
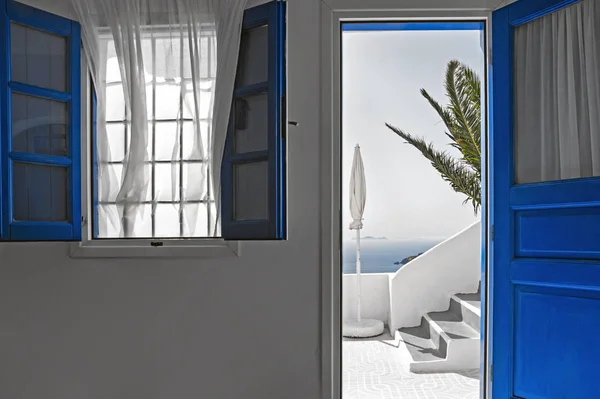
[(333, 13)]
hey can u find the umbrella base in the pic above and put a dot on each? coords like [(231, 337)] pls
[(362, 329)]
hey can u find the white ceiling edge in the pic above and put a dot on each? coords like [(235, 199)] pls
[(254, 3)]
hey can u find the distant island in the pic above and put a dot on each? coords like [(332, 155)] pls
[(371, 238), (409, 258)]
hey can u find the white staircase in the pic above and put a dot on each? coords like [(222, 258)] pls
[(448, 340)]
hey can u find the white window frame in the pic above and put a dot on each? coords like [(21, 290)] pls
[(333, 13), (206, 248)]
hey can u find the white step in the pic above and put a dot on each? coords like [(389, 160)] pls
[(445, 341)]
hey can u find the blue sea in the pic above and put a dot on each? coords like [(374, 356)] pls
[(378, 256)]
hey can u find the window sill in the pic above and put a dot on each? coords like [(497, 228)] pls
[(208, 249)]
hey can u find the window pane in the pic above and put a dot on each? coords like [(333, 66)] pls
[(194, 149), (115, 103), (149, 105), (115, 132), (195, 220), (168, 101), (213, 57), (142, 223), (39, 192), (201, 110), (251, 124), (166, 223), (166, 182), (149, 145), (213, 210), (557, 96), (205, 59), (166, 140), (112, 176), (108, 219), (254, 57), (194, 181), (168, 58), (39, 125), (38, 58), (251, 191), (113, 71)]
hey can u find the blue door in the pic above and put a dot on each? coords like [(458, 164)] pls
[(545, 200)]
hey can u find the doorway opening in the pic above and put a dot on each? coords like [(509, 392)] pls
[(413, 160)]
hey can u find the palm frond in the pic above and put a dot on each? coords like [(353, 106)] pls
[(463, 84), (446, 115), (469, 83), (460, 177), (469, 88), (466, 116), (462, 118)]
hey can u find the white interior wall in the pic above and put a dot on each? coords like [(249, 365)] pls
[(156, 328), (172, 329)]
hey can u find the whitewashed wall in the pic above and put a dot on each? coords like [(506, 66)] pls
[(421, 286), (425, 284), (375, 296)]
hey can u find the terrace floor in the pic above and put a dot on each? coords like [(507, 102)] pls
[(378, 368)]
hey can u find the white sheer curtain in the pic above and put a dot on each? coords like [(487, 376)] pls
[(557, 95), (164, 75)]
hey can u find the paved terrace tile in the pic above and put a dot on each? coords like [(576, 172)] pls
[(377, 368)]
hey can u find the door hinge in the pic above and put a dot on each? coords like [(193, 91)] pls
[(493, 233)]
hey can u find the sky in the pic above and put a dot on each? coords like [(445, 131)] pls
[(382, 74)]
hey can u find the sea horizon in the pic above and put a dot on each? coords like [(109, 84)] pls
[(381, 255)]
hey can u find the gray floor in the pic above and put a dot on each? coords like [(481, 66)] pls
[(378, 368)]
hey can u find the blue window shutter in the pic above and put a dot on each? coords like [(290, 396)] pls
[(265, 207), (48, 209)]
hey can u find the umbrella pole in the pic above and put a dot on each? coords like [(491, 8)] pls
[(358, 274)]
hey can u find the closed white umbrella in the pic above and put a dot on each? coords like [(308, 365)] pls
[(358, 199), (360, 327)]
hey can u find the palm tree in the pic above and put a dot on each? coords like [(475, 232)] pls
[(462, 117)]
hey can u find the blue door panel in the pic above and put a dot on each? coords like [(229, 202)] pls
[(556, 233), (571, 192), (557, 273), (549, 351)]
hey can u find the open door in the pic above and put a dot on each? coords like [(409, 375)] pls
[(545, 200)]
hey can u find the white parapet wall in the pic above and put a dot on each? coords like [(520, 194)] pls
[(425, 284), (375, 294)]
